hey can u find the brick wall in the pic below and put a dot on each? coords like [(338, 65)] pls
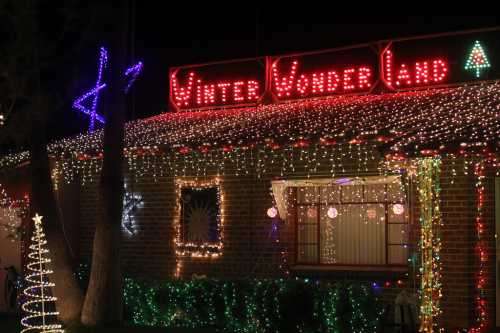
[(249, 252)]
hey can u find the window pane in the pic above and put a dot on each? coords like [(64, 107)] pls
[(330, 194), (352, 237), (397, 233), (307, 194), (372, 235), (307, 254), (352, 193), (307, 214), (307, 233), (397, 255), (395, 192), (375, 193)]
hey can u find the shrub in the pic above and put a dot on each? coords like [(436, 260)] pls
[(266, 306)]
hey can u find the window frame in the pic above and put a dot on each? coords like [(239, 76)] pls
[(193, 250), (318, 204)]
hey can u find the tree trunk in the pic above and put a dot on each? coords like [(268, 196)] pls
[(43, 200), (103, 302)]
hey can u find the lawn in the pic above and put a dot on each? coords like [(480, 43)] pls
[(10, 324)]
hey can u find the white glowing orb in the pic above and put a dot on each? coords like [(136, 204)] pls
[(371, 213), (332, 212), (272, 212), (398, 209)]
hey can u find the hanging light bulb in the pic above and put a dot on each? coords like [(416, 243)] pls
[(332, 212), (272, 212), (398, 209)]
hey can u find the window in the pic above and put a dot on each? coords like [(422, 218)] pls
[(352, 224), (200, 219)]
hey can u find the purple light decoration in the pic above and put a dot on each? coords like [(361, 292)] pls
[(94, 92), (343, 181), (133, 72)]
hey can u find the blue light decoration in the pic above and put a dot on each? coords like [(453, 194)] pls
[(94, 93), (133, 72), (131, 202)]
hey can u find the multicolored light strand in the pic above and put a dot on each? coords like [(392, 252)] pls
[(39, 316), (481, 306), (430, 243)]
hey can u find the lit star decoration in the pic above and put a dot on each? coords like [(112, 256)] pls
[(131, 202), (477, 59), (132, 72), (38, 316), (94, 94)]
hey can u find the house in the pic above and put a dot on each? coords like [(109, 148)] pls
[(375, 163)]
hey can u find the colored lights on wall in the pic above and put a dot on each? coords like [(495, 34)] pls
[(481, 305), (429, 170), (477, 59)]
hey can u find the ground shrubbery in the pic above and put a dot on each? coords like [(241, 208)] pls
[(254, 305), (251, 305)]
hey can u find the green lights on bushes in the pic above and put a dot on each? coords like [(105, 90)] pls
[(254, 305)]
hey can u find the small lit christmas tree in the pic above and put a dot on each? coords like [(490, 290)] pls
[(477, 59), (40, 315)]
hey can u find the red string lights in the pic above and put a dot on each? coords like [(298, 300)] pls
[(481, 253)]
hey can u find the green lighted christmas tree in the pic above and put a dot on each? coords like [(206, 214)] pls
[(477, 59), (39, 306)]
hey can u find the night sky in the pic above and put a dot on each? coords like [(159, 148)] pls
[(165, 38)]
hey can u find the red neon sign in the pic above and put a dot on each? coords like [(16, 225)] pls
[(293, 83), (195, 93), (420, 73), (382, 67)]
